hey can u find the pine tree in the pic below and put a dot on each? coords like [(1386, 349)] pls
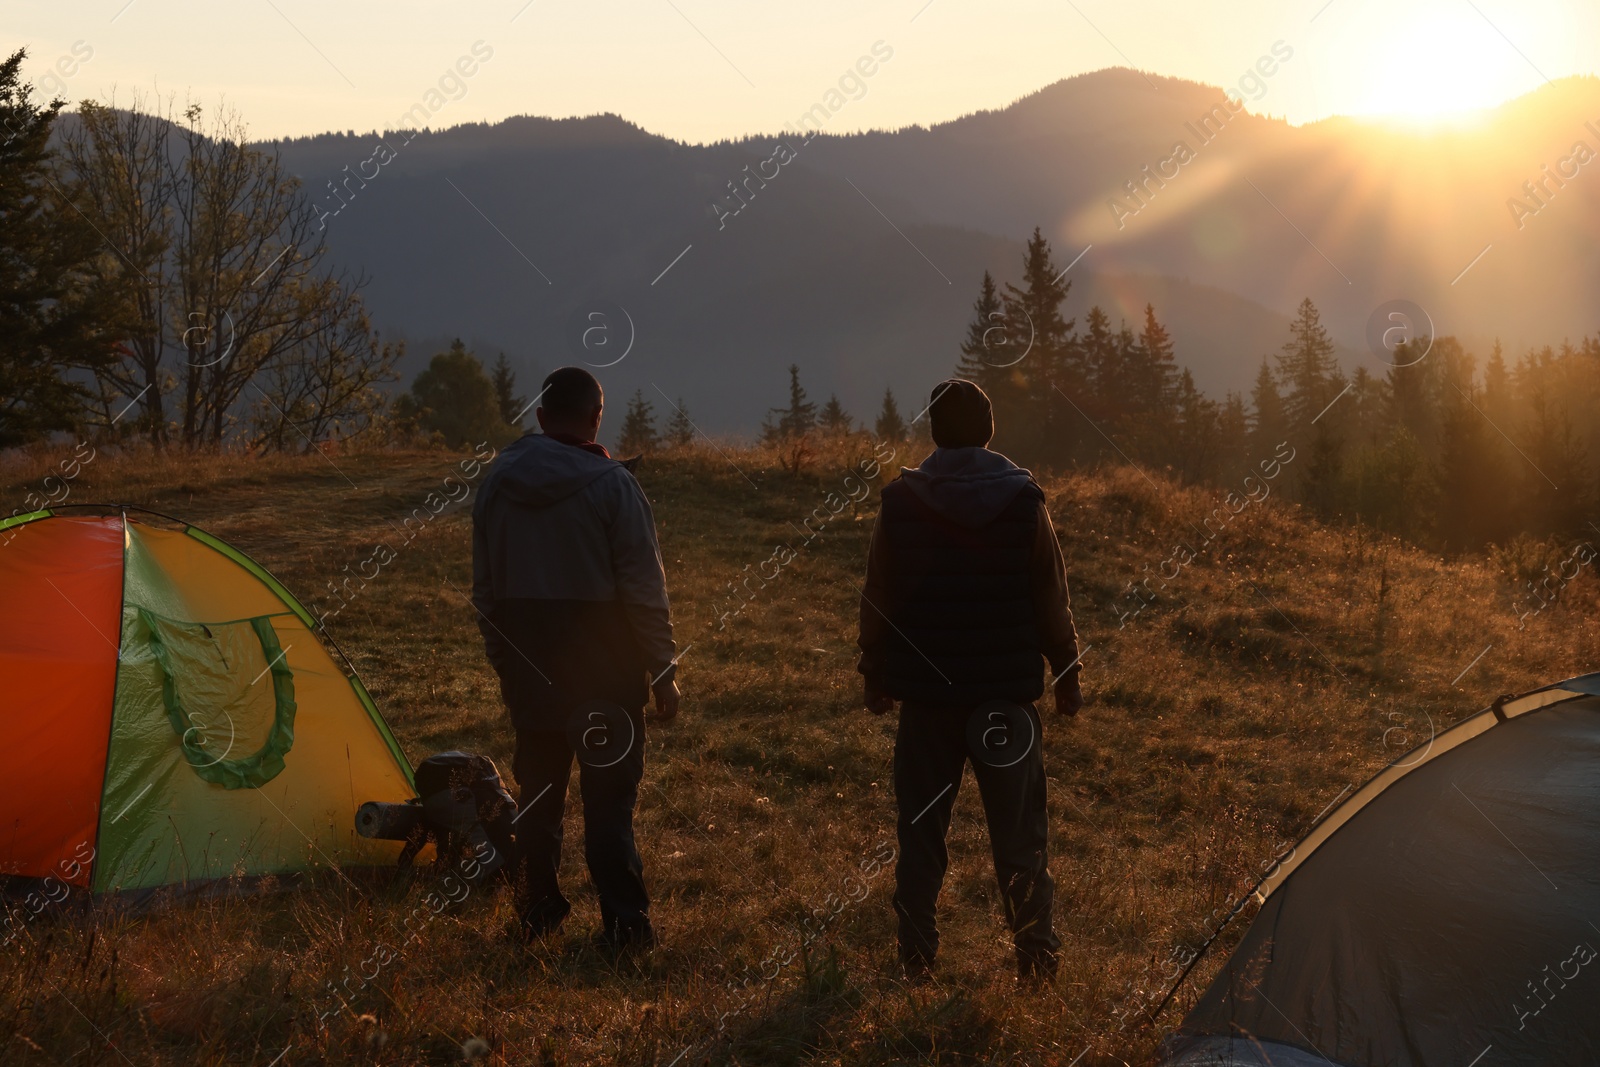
[(1117, 379), (1321, 481), (1035, 311), (1195, 430), (796, 420), (1472, 484), (1389, 485), (1312, 380), (1368, 409), (1556, 496), (1098, 390), (1124, 407), (1414, 399), (1098, 347), (835, 420), (987, 351), (638, 427), (1268, 424), (1497, 386), (512, 406), (890, 426), (57, 310), (1307, 370), (1158, 370), (680, 428), (1037, 421), (1233, 431)]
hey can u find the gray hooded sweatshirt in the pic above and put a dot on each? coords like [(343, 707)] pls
[(558, 524)]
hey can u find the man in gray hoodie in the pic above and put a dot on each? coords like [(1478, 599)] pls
[(572, 605), (965, 599)]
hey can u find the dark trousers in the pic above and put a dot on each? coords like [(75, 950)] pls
[(543, 765), (930, 756)]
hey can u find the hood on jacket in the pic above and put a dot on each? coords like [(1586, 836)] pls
[(968, 486), (537, 471)]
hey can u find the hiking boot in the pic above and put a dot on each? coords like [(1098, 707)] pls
[(542, 919), (918, 969), (1037, 969), (626, 941), (529, 931)]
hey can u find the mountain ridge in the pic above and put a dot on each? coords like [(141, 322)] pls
[(881, 237)]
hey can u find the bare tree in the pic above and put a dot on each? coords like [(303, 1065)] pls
[(120, 175), (226, 280), (330, 391)]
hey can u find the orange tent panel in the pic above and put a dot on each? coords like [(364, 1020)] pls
[(60, 626)]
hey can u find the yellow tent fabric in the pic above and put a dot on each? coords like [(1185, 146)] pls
[(162, 821)]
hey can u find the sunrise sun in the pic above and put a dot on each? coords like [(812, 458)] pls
[(1442, 62)]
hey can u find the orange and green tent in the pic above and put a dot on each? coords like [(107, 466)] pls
[(171, 716)]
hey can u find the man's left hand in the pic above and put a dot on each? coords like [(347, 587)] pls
[(876, 702), (1069, 695), (666, 701)]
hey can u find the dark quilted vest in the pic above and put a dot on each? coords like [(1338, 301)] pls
[(962, 599)]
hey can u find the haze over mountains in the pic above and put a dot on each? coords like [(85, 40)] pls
[(860, 259)]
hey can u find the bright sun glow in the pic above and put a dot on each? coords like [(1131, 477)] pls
[(1439, 61)]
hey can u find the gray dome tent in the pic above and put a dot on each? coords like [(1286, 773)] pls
[(1446, 915)]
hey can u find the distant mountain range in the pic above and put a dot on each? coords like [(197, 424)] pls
[(858, 256)]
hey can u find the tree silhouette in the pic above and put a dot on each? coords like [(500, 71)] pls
[(680, 428), (835, 420), (512, 406), (1041, 421), (1035, 311), (50, 260), (454, 398), (1268, 426), (890, 425), (1307, 371), (797, 419), (1156, 373), (987, 351), (638, 427)]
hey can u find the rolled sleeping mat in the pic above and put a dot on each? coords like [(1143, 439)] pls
[(392, 822)]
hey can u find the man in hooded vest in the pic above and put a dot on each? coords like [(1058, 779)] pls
[(965, 600)]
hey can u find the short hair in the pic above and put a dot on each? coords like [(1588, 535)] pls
[(571, 393), (960, 414)]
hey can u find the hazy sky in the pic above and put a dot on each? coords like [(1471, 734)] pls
[(701, 70)]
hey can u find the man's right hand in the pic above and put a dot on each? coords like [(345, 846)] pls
[(666, 702), (877, 702), (1068, 694)]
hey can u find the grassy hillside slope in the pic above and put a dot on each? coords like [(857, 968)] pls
[(1282, 664)]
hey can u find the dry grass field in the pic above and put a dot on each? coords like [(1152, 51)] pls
[(1283, 663)]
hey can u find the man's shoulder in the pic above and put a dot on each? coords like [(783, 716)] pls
[(895, 497), (535, 473)]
